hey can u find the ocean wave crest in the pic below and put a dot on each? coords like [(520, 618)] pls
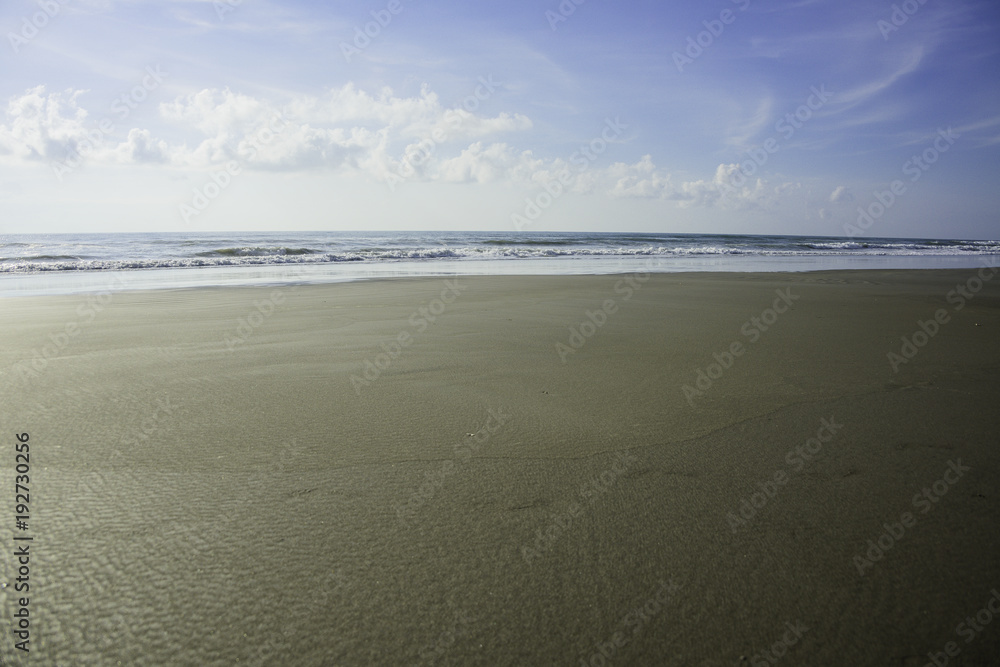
[(256, 251), (520, 248)]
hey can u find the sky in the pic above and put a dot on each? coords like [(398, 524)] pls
[(809, 117)]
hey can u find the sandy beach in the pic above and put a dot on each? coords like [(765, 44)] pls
[(641, 469)]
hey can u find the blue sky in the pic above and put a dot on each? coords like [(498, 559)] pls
[(125, 115)]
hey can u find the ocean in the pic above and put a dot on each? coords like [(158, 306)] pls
[(32, 264)]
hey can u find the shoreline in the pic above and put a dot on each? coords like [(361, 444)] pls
[(83, 282)]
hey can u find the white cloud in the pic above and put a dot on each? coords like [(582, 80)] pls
[(348, 130), (742, 132), (483, 165), (644, 180), (346, 127), (906, 63), (43, 127), (841, 194), (141, 148), (639, 180)]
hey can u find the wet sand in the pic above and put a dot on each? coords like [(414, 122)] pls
[(676, 469)]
